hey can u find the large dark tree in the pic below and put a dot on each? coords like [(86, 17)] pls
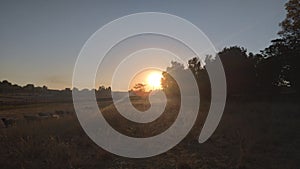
[(239, 70), (290, 35), (283, 54)]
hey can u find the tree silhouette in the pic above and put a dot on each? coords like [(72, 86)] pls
[(239, 70), (283, 53), (198, 68), (139, 89), (168, 82), (290, 26)]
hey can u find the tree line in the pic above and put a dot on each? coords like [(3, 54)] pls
[(273, 71), (7, 87)]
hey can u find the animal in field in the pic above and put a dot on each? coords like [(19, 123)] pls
[(8, 122), (56, 116)]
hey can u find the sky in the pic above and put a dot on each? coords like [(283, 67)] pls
[(40, 40)]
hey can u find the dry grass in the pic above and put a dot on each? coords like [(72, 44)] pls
[(250, 135)]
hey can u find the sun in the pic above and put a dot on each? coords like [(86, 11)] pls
[(154, 80)]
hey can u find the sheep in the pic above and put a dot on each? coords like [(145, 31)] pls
[(56, 116)]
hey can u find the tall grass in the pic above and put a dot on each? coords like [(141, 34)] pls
[(250, 135)]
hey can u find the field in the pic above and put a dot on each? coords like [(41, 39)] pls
[(251, 134)]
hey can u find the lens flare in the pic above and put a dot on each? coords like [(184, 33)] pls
[(154, 80)]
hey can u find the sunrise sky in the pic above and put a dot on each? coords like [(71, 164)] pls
[(40, 41)]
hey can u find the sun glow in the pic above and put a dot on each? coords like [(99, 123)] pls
[(154, 80)]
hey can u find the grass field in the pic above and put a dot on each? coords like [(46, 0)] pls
[(250, 135)]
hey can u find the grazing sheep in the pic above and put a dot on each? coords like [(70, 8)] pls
[(56, 116), (8, 122)]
